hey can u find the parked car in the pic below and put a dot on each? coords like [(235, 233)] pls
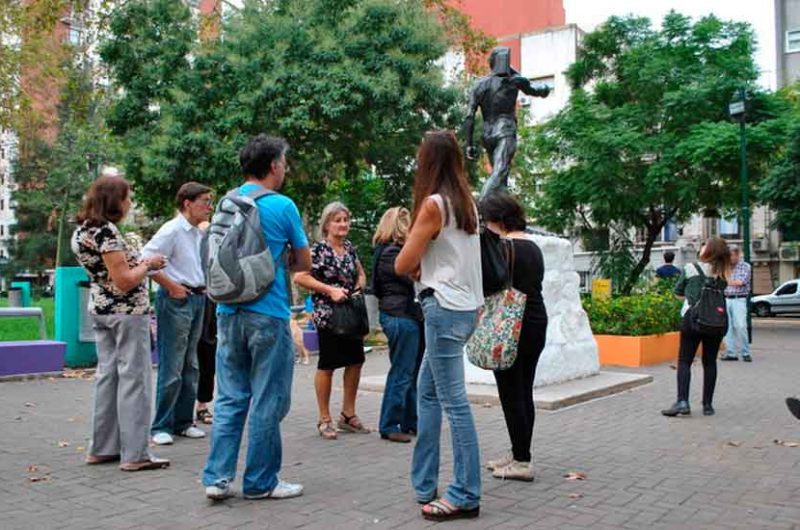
[(785, 299)]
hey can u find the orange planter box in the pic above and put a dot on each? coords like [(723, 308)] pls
[(625, 350)]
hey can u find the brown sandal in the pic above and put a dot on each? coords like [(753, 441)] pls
[(441, 510), (101, 459), (145, 465), (326, 430), (205, 416), (351, 424)]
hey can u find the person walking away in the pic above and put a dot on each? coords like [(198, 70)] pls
[(401, 321), (119, 307), (180, 303), (336, 273), (441, 251), (255, 357), (737, 339), (668, 270), (713, 268), (504, 215)]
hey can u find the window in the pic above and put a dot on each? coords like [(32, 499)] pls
[(729, 228), (670, 231), (793, 41), (787, 289)]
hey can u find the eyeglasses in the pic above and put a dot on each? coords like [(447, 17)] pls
[(205, 202)]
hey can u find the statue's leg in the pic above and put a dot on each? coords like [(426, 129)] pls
[(501, 158)]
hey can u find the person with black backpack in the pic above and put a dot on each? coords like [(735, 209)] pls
[(705, 321)]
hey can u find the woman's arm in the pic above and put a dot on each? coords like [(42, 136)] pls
[(362, 276), (126, 278), (307, 281), (426, 227)]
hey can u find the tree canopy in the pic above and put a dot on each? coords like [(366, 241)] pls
[(646, 137)]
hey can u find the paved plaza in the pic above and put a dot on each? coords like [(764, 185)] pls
[(641, 470)]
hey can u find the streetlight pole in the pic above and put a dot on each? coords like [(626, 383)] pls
[(738, 110)]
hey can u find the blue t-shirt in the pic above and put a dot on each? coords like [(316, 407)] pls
[(668, 270), (281, 223)]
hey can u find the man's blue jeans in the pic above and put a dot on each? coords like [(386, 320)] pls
[(441, 386), (180, 323), (736, 338), (399, 406), (255, 363)]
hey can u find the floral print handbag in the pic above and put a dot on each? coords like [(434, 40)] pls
[(493, 345)]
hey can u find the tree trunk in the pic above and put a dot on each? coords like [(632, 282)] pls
[(652, 233)]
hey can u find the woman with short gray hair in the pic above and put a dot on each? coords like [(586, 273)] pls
[(336, 274)]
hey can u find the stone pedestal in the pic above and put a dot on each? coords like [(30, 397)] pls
[(570, 351)]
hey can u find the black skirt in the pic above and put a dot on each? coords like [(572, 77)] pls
[(336, 351)]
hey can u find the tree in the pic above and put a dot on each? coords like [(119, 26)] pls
[(781, 188), (646, 137), (351, 84)]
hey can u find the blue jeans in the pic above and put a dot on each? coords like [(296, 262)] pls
[(441, 386), (399, 406), (179, 325), (255, 363), (736, 338)]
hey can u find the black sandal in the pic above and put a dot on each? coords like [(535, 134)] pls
[(205, 416), (439, 511), (351, 424)]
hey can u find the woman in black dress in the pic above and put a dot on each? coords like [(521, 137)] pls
[(505, 216), (336, 273)]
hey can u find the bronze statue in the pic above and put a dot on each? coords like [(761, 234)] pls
[(496, 95)]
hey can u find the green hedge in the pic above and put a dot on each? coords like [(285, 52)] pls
[(638, 314)]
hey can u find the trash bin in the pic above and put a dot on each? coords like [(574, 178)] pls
[(15, 297), (25, 288), (73, 324)]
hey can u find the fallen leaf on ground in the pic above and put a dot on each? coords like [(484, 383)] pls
[(29, 404), (575, 495), (487, 405), (673, 367), (33, 468), (80, 449), (18, 418), (786, 443), (63, 444), (575, 475), (733, 444), (38, 479), (70, 420)]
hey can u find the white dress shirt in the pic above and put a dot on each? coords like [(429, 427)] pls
[(179, 241)]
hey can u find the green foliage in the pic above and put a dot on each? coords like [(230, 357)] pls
[(352, 85), (646, 137), (781, 188), (651, 313)]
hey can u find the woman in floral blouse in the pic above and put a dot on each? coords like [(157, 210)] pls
[(336, 273), (120, 312)]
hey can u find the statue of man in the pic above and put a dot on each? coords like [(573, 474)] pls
[(496, 95)]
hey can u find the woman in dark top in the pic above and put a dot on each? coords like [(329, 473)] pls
[(401, 320), (505, 216), (714, 267), (336, 273)]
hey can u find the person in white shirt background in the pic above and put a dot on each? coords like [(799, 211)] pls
[(180, 302)]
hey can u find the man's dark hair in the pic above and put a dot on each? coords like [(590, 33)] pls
[(189, 192), (257, 156), (669, 256), (502, 207)]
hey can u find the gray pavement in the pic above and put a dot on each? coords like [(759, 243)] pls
[(642, 470)]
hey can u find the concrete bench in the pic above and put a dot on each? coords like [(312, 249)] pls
[(34, 312)]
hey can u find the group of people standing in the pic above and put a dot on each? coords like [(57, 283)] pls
[(425, 275)]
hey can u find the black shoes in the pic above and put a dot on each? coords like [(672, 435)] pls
[(747, 358), (680, 407), (728, 358), (708, 410), (794, 406)]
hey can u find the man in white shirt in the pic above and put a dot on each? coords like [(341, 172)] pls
[(180, 303)]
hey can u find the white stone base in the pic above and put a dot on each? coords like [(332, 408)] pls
[(570, 351)]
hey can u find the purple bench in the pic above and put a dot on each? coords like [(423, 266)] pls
[(31, 357)]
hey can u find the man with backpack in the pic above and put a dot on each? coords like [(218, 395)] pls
[(247, 276), (180, 303)]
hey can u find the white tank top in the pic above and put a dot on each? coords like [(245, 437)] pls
[(451, 265)]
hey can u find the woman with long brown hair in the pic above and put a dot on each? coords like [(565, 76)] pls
[(120, 308), (441, 252), (713, 270)]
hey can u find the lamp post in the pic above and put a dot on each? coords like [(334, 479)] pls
[(738, 111)]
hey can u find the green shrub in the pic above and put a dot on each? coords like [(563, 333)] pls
[(651, 313)]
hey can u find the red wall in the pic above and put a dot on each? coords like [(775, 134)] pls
[(510, 18)]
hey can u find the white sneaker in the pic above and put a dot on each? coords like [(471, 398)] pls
[(284, 490), (193, 432), (219, 492), (515, 471), (162, 438), (503, 461)]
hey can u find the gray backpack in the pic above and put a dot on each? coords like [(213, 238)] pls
[(239, 264)]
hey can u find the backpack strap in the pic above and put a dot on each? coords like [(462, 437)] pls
[(699, 269), (259, 192)]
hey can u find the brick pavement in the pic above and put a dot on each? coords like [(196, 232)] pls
[(643, 470)]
